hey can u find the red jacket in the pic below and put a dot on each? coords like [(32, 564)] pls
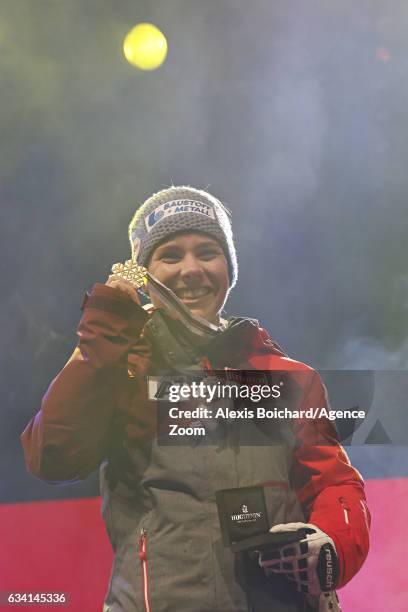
[(100, 390)]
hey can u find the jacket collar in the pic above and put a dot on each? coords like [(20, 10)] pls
[(242, 339)]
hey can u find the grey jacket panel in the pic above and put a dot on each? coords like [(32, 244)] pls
[(189, 567)]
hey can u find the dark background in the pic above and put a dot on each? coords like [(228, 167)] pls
[(293, 113)]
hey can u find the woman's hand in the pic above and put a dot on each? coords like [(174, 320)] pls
[(124, 286)]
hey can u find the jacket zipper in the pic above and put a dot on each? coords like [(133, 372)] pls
[(145, 573), (346, 509)]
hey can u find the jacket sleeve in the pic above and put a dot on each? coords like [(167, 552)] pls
[(330, 490), (67, 439)]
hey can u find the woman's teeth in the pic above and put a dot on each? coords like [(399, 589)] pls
[(192, 294)]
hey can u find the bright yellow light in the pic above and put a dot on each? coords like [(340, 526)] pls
[(145, 46)]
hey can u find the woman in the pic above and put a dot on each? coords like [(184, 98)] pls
[(159, 499)]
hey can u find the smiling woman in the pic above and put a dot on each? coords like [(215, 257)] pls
[(194, 266), (160, 498), (183, 236)]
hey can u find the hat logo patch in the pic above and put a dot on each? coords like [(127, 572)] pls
[(175, 207)]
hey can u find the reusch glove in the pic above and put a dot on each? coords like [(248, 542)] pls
[(311, 563)]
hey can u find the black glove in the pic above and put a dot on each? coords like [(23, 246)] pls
[(311, 563)]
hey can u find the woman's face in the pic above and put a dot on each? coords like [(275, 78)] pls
[(194, 266)]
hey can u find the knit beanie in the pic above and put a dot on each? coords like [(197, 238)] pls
[(177, 210)]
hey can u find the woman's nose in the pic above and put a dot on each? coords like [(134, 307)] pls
[(191, 268)]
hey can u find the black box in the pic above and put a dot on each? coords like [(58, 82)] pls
[(242, 513)]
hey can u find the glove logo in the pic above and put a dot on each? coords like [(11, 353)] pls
[(327, 568)]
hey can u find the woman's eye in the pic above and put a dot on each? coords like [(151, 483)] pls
[(208, 254), (170, 256)]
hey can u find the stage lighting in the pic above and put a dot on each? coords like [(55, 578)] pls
[(145, 46)]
